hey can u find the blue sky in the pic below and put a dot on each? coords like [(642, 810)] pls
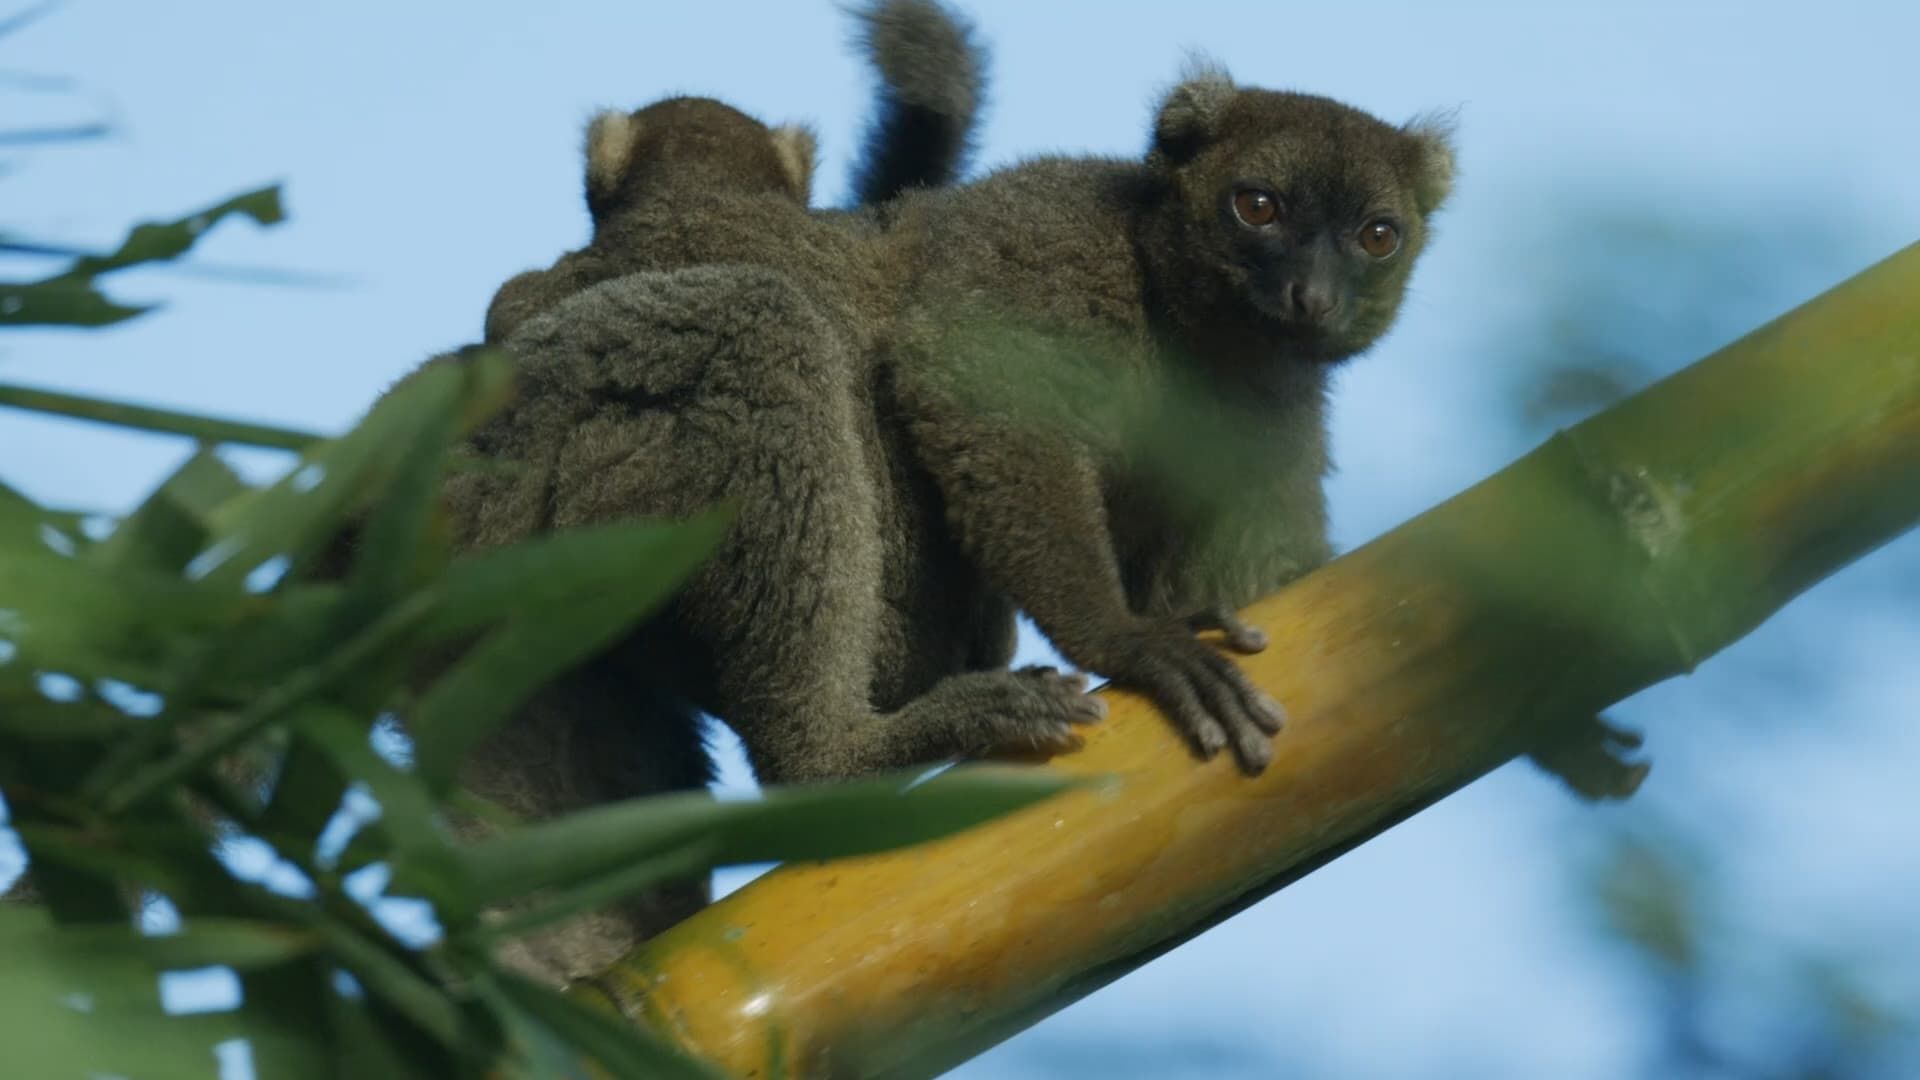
[(430, 151)]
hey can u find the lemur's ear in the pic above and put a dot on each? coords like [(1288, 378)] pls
[(1432, 164), (611, 136), (798, 149), (1189, 116)]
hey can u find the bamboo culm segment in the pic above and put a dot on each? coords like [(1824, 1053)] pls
[(1621, 552)]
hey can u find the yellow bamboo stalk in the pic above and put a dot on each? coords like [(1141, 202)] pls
[(1619, 553)]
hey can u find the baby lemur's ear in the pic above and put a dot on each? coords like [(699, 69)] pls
[(1432, 165), (1191, 113), (797, 148), (611, 137)]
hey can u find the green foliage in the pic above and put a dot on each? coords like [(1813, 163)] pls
[(213, 666), (71, 298)]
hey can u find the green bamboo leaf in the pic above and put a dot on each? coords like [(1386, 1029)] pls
[(821, 821), (62, 303), (301, 622), (144, 854), (74, 897), (167, 530), (558, 569), (116, 792), (582, 589), (386, 977), (306, 795), (362, 1047), (296, 516), (206, 429), (242, 944), (408, 816), (689, 860), (394, 552), (625, 1051), (161, 241), (71, 615), (23, 521), (33, 719), (69, 1009)]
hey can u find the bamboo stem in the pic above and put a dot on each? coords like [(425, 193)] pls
[(1621, 552)]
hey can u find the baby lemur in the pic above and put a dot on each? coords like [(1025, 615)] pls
[(689, 181), (683, 181)]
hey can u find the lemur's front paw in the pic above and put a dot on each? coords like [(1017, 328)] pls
[(1205, 694)]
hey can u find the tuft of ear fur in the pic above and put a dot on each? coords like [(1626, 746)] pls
[(1433, 167), (611, 137), (797, 149), (1189, 116)]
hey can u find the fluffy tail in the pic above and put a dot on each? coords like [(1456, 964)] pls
[(932, 77)]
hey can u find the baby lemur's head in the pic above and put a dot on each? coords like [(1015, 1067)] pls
[(1294, 213), (681, 144)]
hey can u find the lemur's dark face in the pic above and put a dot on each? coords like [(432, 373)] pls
[(1310, 213)]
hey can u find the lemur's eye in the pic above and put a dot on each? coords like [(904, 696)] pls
[(1379, 238), (1255, 207)]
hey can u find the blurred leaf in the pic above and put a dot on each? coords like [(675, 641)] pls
[(625, 1050), (408, 816), (558, 568), (393, 550), (61, 303), (361, 1047), (565, 596), (70, 1008), (145, 854), (20, 517), (1649, 901), (49, 721), (69, 297), (160, 241), (171, 526), (204, 942), (305, 509), (809, 822), (299, 624), (207, 429), (387, 978), (70, 615), (117, 793), (70, 896)]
